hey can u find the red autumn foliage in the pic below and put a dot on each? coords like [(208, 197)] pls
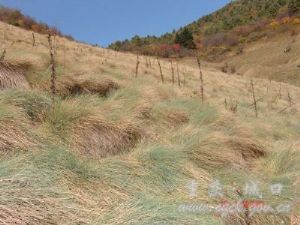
[(247, 204), (16, 18), (166, 50)]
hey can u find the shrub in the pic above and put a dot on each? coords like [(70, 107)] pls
[(185, 38), (221, 39), (244, 30), (35, 104), (293, 6), (166, 50)]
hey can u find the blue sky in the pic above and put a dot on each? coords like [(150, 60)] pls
[(104, 21)]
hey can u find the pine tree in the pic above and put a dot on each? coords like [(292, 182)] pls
[(293, 6), (185, 38)]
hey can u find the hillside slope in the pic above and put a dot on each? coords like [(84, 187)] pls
[(273, 58), (235, 25), (123, 148), (17, 18), (249, 38)]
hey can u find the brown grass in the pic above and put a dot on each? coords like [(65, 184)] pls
[(247, 148), (13, 137), (13, 75), (171, 118), (70, 86), (98, 138), (177, 117), (206, 145), (24, 206), (143, 111), (218, 151)]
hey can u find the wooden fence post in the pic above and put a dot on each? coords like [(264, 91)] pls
[(53, 70), (2, 57), (33, 40), (201, 79), (160, 70), (147, 65), (290, 99), (173, 73), (254, 99), (178, 74), (137, 66)]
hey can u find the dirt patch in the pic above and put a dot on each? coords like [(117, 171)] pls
[(12, 75)]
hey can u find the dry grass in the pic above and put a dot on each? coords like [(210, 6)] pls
[(126, 158), (70, 86), (14, 137), (218, 151), (96, 138), (170, 117), (268, 60), (13, 75)]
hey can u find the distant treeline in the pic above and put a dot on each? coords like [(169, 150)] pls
[(237, 22), (16, 18)]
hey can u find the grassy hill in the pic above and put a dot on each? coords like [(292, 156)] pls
[(122, 148), (236, 24), (247, 38), (17, 18), (274, 58)]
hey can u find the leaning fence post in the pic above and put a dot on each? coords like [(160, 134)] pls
[(254, 99), (160, 70), (201, 79), (290, 99), (2, 57)]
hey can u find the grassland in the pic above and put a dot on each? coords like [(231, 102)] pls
[(116, 149), (274, 57)]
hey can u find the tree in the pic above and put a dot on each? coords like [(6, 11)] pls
[(273, 9), (137, 41), (14, 16), (185, 38), (116, 46), (293, 6)]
